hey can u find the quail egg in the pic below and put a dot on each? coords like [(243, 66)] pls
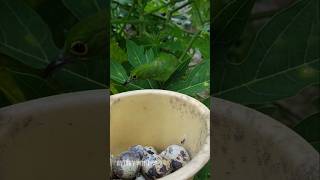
[(127, 165), (178, 156), (155, 166), (138, 149), (150, 150)]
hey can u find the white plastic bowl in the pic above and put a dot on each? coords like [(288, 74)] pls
[(160, 118)]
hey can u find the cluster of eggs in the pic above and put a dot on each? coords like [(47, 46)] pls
[(144, 163)]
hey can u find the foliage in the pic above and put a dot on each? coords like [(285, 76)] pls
[(161, 45), (32, 37), (263, 57), (155, 44)]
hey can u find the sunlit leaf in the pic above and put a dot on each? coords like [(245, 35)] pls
[(116, 53), (196, 81), (118, 73)]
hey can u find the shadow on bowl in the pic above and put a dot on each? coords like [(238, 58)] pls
[(250, 145), (61, 137)]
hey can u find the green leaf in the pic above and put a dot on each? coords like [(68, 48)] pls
[(116, 53), (24, 36), (230, 21), (92, 74), (204, 173), (26, 79), (309, 128), (283, 59), (85, 8), (179, 72), (59, 23), (155, 5), (136, 57), (196, 82), (9, 87), (149, 55), (136, 54), (143, 84), (118, 73), (203, 44), (32, 85), (200, 12)]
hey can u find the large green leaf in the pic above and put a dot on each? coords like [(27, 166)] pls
[(32, 85), (200, 12), (9, 87), (197, 80), (118, 73), (32, 45), (24, 36), (59, 23), (230, 21), (85, 8), (91, 74), (25, 79), (309, 128), (284, 59), (143, 84), (116, 53), (136, 54)]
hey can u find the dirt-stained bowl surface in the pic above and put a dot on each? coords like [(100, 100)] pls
[(160, 118), (61, 137), (250, 145)]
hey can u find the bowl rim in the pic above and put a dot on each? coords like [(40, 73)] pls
[(203, 156)]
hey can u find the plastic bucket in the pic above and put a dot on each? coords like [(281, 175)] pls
[(160, 118)]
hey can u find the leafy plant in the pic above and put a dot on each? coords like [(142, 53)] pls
[(161, 45), (263, 57), (34, 41), (155, 46)]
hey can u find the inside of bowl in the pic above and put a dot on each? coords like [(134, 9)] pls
[(157, 120), (54, 138)]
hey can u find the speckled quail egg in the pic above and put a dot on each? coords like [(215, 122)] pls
[(150, 150), (155, 166), (138, 149), (178, 156), (127, 165)]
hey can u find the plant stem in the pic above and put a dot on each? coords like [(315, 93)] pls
[(189, 46), (130, 21), (127, 18)]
